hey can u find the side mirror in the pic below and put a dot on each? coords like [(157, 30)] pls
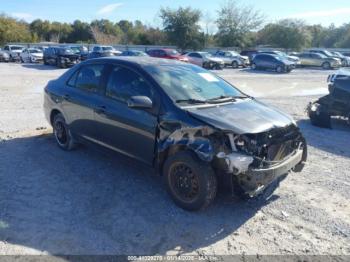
[(140, 102)]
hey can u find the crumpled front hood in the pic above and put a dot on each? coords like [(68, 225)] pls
[(246, 116)]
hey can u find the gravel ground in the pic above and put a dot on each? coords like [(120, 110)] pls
[(89, 202)]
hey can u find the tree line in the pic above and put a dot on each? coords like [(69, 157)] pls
[(236, 25)]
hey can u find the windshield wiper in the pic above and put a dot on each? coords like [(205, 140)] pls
[(226, 98), (191, 101)]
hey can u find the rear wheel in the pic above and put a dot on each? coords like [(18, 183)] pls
[(62, 133), (191, 183)]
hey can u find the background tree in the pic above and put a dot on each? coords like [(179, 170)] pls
[(235, 22), (287, 33), (12, 30), (182, 27)]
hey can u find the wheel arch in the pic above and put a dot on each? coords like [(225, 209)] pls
[(53, 113)]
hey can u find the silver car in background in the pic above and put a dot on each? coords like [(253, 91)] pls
[(14, 51), (31, 55), (232, 58), (205, 60), (4, 56)]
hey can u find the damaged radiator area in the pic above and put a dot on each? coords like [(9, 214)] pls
[(247, 160)]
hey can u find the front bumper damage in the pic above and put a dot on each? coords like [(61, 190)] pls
[(255, 180), (250, 172)]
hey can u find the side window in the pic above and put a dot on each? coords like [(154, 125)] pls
[(124, 83), (88, 78), (161, 53), (73, 79), (7, 48)]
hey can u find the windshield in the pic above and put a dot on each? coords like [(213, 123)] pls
[(188, 82), (322, 56), (17, 48), (172, 52), (107, 48), (281, 53), (33, 51), (327, 53), (233, 53), (75, 49), (67, 51), (206, 54), (140, 53)]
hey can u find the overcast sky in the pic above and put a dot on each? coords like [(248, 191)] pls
[(312, 11)]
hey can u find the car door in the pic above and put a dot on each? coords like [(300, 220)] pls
[(262, 61), (315, 60), (24, 55), (196, 59), (121, 128), (81, 98)]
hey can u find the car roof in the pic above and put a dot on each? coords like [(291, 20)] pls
[(137, 61)]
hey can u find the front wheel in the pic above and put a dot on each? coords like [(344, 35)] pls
[(235, 64), (279, 69), (254, 67), (191, 183), (326, 65), (62, 133)]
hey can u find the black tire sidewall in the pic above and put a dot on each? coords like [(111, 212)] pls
[(206, 177), (235, 64), (69, 143), (326, 65)]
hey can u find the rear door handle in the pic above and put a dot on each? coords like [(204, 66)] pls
[(100, 110)]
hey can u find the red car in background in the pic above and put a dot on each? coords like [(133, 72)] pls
[(167, 54)]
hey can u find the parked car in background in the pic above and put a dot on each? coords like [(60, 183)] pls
[(14, 51), (344, 59), (133, 53), (4, 56), (291, 58), (106, 48), (250, 54), (336, 103), (192, 127), (320, 60), (272, 62), (93, 55), (232, 58), (31, 55), (327, 54), (205, 60), (167, 54), (60, 56), (80, 50)]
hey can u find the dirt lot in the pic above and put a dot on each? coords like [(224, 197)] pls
[(87, 202)]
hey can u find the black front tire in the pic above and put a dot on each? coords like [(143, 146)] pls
[(326, 66), (191, 183), (62, 133), (280, 69), (235, 64)]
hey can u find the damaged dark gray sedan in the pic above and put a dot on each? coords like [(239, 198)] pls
[(194, 128)]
